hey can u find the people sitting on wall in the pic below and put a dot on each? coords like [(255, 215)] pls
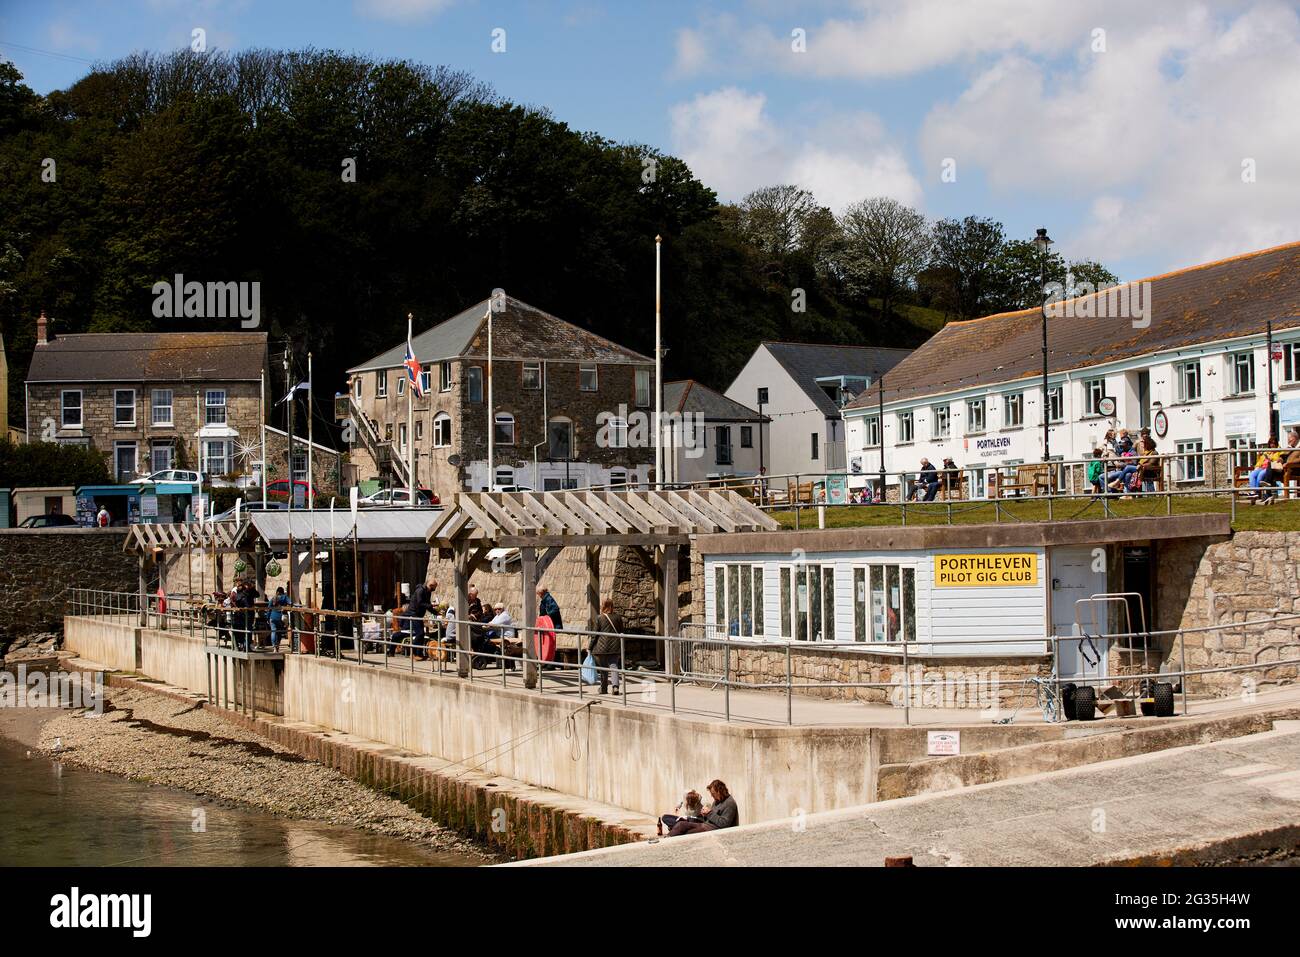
[(690, 809), (1148, 462), (1097, 471), (927, 482), (722, 813), (1123, 468), (1262, 476), (501, 629)]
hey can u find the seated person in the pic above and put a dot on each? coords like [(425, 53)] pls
[(691, 809), (722, 813), (927, 481), (501, 628), (1262, 475), (1096, 471)]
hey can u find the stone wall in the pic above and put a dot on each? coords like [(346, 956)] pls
[(1253, 575), (38, 567), (843, 673)]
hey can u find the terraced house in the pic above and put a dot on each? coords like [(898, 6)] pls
[(149, 400), (570, 409)]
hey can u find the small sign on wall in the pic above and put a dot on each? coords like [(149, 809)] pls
[(990, 569), (942, 742)]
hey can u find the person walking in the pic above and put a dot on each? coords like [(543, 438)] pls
[(275, 617), (102, 518), (605, 648)]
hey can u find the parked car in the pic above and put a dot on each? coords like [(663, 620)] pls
[(254, 506), (511, 488), (52, 520), (171, 475), (399, 497), (280, 489)]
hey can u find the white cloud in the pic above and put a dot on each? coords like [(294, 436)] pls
[(734, 145), (1152, 134)]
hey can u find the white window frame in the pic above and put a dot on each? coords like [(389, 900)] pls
[(444, 376), (588, 369), (1240, 363), (906, 428), (741, 584), (441, 430), (1094, 390), (401, 436), (157, 407), (530, 376), (154, 449), (426, 379), (940, 413), (976, 416), (1055, 404), (356, 386), (206, 456), (64, 409), (401, 383), (1243, 446), (210, 416), (119, 407), (862, 594), (871, 429), (1290, 362), (1191, 467), (381, 383), (504, 421), (1182, 370), (790, 612), (616, 429), (722, 445), (1013, 400)]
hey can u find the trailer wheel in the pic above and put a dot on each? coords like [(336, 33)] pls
[(1163, 693), (1067, 700), (1085, 703)]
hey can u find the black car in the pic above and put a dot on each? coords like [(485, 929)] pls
[(52, 520)]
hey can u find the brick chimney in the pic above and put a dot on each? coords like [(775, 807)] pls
[(42, 330)]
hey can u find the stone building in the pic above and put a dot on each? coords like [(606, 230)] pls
[(570, 408), (150, 400)]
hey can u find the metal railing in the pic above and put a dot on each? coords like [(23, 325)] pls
[(700, 657)]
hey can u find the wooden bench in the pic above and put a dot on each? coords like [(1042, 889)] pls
[(801, 494), (952, 485), (1290, 474), (1035, 479)]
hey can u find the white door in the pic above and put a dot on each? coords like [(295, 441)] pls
[(1077, 572)]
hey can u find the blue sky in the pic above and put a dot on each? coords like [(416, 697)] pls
[(1149, 136)]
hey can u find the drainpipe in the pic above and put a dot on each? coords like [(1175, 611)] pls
[(546, 424)]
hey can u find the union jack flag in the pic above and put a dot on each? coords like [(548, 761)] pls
[(412, 365)]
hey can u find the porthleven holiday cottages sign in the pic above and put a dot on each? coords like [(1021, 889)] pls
[(990, 569)]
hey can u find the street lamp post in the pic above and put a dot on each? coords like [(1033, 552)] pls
[(1042, 241)]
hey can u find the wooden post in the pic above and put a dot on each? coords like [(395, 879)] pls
[(461, 585), (144, 594), (668, 576), (593, 585), (528, 568)]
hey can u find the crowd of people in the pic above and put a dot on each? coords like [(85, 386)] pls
[(1121, 466), (1268, 473)]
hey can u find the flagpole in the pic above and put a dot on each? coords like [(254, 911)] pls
[(262, 406), (659, 386), (492, 422), (311, 492), (410, 419)]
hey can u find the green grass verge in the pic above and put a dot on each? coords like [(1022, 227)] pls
[(1281, 516)]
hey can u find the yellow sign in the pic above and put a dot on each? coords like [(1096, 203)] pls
[(989, 570)]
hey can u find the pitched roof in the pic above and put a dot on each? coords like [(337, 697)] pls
[(1226, 299), (150, 357), (806, 362), (519, 331), (686, 396)]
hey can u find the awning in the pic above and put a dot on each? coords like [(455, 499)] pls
[(217, 431), (173, 488), (104, 491), (376, 528)]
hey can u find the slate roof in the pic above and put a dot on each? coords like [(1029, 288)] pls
[(686, 396), (806, 362), (1226, 299), (519, 331), (150, 357)]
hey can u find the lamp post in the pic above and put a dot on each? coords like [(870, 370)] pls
[(1042, 241), (659, 386)]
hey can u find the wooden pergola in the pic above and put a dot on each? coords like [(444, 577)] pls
[(656, 524)]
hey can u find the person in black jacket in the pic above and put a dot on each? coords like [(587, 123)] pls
[(606, 648), (421, 605), (927, 480), (722, 813)]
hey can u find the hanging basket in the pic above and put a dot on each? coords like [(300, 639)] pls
[(273, 568), (241, 566)]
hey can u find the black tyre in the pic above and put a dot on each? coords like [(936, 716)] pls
[(1085, 703), (1067, 700), (1163, 693)]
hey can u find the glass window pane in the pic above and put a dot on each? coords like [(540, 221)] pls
[(909, 604), (893, 603), (814, 599), (720, 597), (746, 601), (787, 608), (801, 591), (859, 604), (828, 604), (877, 603), (758, 599), (733, 599)]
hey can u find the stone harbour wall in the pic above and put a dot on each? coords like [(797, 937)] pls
[(39, 567), (1253, 575)]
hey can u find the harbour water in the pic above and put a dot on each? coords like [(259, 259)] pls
[(54, 814)]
